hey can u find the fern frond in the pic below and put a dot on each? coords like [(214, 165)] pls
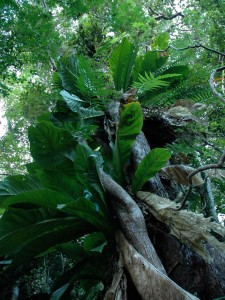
[(56, 81), (90, 82), (202, 95), (149, 82), (79, 78)]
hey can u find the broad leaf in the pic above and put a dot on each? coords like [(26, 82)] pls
[(15, 218), (67, 69), (58, 181), (150, 62), (94, 242), (87, 113), (75, 104), (72, 101), (13, 185), (83, 208), (90, 271), (79, 78), (72, 250), (16, 240), (88, 211), (45, 198), (131, 121), (149, 167), (52, 147), (86, 164), (49, 237), (183, 70), (121, 63)]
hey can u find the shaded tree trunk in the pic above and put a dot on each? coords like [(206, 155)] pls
[(202, 277)]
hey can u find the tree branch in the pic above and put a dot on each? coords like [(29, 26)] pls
[(186, 48), (198, 170), (131, 220), (159, 17), (211, 83), (158, 286)]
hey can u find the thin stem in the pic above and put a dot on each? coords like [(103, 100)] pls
[(193, 173)]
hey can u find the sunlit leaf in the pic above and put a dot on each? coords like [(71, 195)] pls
[(121, 63), (131, 121), (149, 167)]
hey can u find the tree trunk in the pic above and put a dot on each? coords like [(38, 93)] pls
[(177, 259)]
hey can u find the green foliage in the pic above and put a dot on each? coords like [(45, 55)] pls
[(60, 205), (79, 78), (60, 202), (131, 121), (13, 185), (23, 35), (75, 104), (152, 61), (121, 63), (94, 242), (52, 147), (149, 167), (88, 36), (149, 83), (161, 41)]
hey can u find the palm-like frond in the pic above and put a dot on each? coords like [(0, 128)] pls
[(91, 83), (149, 82), (79, 78)]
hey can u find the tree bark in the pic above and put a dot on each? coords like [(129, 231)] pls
[(131, 220)]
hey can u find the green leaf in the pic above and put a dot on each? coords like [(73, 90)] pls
[(182, 70), (13, 185), (79, 78), (58, 181), (121, 63), (72, 101), (94, 242), (15, 218), (68, 68), (131, 121), (72, 250), (137, 69), (90, 212), (87, 164), (87, 113), (149, 167), (83, 208), (149, 83), (63, 231), (45, 197), (14, 241), (75, 104), (88, 272), (161, 41), (52, 147), (150, 62), (56, 295)]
